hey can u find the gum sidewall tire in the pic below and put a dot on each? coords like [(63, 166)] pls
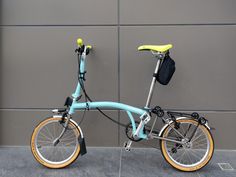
[(199, 166), (34, 151)]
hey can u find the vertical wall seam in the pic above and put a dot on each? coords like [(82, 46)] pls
[(118, 57)]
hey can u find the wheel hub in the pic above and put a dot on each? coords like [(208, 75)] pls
[(186, 143)]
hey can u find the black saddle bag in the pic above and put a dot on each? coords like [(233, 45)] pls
[(166, 70)]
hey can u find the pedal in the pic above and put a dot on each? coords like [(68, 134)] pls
[(127, 145)]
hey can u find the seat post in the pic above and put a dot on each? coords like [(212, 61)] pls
[(159, 57)]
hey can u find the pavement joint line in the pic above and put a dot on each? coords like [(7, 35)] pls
[(229, 167), (120, 162)]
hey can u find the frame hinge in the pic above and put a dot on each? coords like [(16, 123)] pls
[(146, 118)]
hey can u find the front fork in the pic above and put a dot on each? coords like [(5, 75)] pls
[(68, 117)]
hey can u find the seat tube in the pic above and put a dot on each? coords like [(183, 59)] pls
[(152, 84)]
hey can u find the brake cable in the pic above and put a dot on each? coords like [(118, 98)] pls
[(104, 114), (80, 78)]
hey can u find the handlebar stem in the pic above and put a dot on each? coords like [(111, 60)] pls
[(81, 60)]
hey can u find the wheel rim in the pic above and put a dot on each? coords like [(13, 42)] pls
[(193, 154), (64, 150)]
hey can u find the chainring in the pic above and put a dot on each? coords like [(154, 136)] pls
[(128, 132)]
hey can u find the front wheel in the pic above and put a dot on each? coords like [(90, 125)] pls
[(46, 151), (194, 154)]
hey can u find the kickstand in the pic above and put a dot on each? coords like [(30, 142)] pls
[(127, 145)]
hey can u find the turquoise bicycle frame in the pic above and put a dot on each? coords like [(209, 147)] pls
[(106, 104)]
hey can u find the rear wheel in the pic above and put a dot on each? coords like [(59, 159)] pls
[(192, 155), (61, 154)]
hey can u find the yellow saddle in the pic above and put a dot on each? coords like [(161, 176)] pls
[(156, 48)]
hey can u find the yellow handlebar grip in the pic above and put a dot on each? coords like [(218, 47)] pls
[(79, 42), (89, 46)]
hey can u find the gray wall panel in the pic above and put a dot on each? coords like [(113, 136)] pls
[(205, 61), (224, 129), (39, 66), (59, 12), (98, 130), (175, 12), (16, 127)]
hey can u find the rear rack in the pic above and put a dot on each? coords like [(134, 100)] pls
[(194, 115)]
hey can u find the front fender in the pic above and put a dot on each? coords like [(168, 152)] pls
[(179, 118)]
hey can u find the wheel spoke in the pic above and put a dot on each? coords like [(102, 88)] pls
[(39, 140), (54, 130), (195, 154), (67, 137), (180, 155), (200, 140), (181, 127), (197, 137), (189, 157), (41, 133), (44, 143), (49, 132), (200, 147)]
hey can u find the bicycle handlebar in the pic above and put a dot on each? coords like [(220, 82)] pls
[(80, 43)]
